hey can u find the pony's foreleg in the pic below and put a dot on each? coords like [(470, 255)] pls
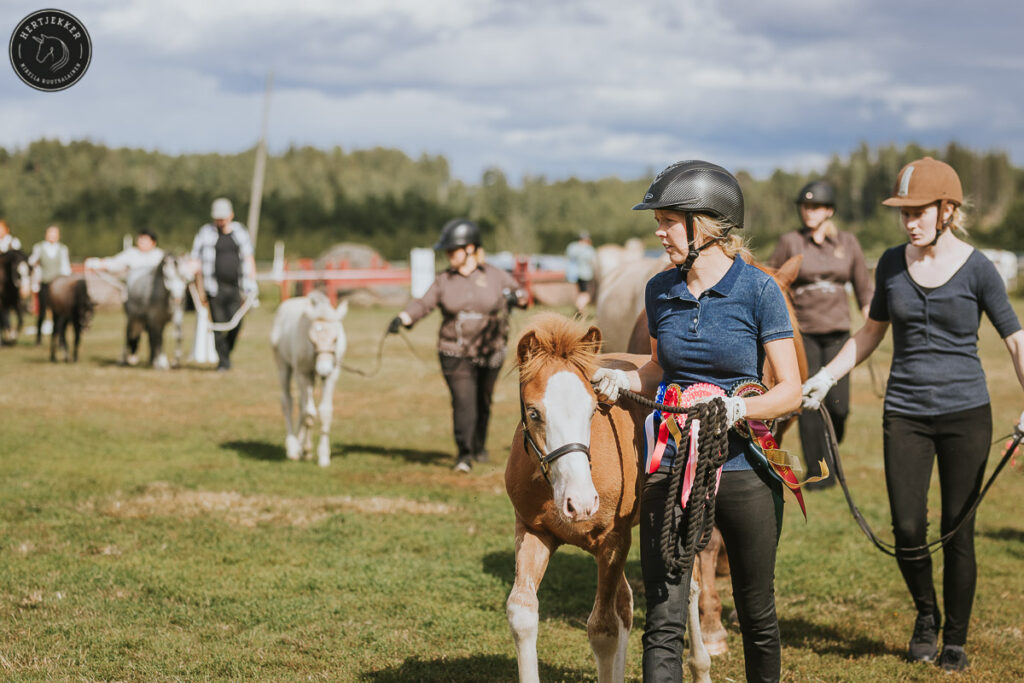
[(326, 409), (78, 336), (612, 616), (710, 602), (133, 331), (177, 319), (307, 411), (291, 442), (698, 660), (532, 554), (157, 357)]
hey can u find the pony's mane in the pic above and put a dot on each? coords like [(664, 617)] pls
[(560, 339)]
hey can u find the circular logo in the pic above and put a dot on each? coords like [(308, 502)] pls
[(50, 50)]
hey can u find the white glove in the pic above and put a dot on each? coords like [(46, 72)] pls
[(1020, 423), (608, 383), (735, 407), (93, 263), (816, 387), (252, 291)]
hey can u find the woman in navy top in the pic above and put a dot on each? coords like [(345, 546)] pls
[(933, 290), (712, 319)]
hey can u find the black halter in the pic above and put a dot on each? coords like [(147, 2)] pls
[(546, 460)]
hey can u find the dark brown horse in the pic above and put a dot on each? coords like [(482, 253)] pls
[(71, 304), (15, 289)]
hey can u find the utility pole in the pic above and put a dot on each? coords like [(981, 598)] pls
[(256, 196)]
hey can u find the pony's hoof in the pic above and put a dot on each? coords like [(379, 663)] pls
[(161, 363), (323, 453), (291, 448), (131, 360)]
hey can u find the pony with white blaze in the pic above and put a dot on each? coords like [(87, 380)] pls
[(308, 341), (572, 476)]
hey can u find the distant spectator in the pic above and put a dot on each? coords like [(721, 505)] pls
[(7, 240), (229, 272), (51, 260), (581, 255)]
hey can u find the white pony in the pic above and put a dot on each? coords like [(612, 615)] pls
[(308, 340)]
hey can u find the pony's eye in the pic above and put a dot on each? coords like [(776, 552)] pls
[(533, 414)]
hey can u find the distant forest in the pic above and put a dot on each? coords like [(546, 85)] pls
[(315, 198)]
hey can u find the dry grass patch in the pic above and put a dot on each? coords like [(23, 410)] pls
[(161, 499)]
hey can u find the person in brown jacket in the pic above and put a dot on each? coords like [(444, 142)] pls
[(474, 298), (831, 260)]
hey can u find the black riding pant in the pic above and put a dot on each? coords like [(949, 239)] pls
[(745, 512), (820, 349), (43, 303), (471, 385), (960, 441), (222, 308)]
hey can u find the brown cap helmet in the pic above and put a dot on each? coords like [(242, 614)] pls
[(926, 181)]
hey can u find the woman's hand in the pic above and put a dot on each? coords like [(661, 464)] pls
[(735, 407), (608, 383), (816, 388)]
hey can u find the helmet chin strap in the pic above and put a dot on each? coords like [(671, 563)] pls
[(940, 223), (694, 252)]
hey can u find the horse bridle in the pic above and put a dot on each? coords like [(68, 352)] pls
[(543, 459)]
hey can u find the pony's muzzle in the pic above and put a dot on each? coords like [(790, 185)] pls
[(581, 507), (325, 364)]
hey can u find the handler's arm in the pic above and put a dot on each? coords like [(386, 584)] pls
[(1015, 345), (857, 348), (784, 397)]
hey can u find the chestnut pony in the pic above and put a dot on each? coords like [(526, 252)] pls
[(573, 478)]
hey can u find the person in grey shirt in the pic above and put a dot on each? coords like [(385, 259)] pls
[(933, 290), (51, 259)]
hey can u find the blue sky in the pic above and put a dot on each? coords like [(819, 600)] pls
[(584, 88)]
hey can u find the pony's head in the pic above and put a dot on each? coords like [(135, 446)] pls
[(176, 272), (556, 358), (326, 332)]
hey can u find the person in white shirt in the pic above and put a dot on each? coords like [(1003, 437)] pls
[(133, 262), (50, 259)]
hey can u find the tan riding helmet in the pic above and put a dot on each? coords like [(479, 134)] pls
[(927, 181)]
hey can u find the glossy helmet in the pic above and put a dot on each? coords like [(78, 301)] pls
[(817, 192), (696, 187), (456, 233), (927, 181)]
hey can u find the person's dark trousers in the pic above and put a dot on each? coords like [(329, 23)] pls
[(471, 385), (222, 308), (746, 515), (960, 442), (820, 349), (43, 301)]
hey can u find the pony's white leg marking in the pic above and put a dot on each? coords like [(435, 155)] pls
[(532, 556), (569, 406), (612, 617), (303, 395), (323, 450), (698, 660), (161, 362)]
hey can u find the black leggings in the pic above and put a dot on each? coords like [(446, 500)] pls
[(472, 385), (745, 512), (961, 441), (821, 348), (43, 302)]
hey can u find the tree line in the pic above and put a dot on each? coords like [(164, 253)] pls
[(381, 197)]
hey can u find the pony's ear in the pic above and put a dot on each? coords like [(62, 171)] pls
[(526, 345), (341, 310), (787, 272), (593, 336)]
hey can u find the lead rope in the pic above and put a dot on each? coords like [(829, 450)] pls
[(694, 524), (891, 549)]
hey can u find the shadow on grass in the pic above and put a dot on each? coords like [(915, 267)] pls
[(256, 450), (474, 668), (1004, 534), (408, 454), (830, 639), (569, 584)]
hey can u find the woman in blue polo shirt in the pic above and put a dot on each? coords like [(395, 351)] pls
[(933, 289), (713, 319)]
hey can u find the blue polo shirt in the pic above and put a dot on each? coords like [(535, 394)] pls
[(717, 337)]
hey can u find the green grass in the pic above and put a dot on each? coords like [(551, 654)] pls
[(151, 529)]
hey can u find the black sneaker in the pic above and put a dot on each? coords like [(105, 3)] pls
[(953, 658), (924, 643), (463, 465)]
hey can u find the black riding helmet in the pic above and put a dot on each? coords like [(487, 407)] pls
[(817, 192), (692, 187), (458, 232)]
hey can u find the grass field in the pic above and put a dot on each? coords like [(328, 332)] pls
[(151, 529)]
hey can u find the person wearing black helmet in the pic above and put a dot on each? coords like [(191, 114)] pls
[(932, 290), (831, 260), (474, 298), (713, 320)]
